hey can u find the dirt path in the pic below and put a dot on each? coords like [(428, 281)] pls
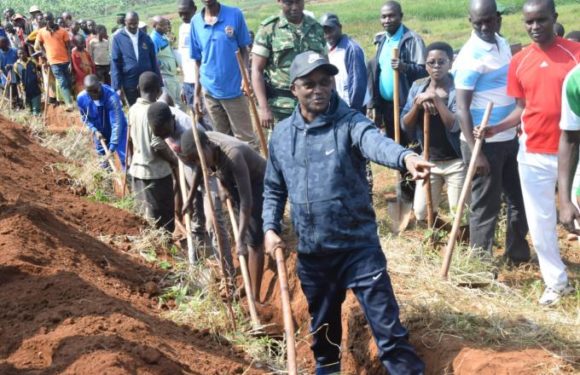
[(70, 303)]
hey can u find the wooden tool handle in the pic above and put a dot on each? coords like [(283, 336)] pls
[(286, 311), (187, 216), (109, 156), (244, 269), (254, 110), (462, 198), (215, 224), (426, 156), (396, 100)]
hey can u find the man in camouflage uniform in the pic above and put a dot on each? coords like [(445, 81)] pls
[(280, 38)]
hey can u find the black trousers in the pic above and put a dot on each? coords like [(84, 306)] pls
[(131, 94), (486, 196), (155, 200), (103, 73)]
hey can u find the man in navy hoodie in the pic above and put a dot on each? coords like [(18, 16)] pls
[(132, 53), (317, 161)]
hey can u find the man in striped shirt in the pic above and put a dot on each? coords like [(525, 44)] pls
[(480, 72)]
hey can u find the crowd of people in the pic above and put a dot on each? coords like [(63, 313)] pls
[(329, 110)]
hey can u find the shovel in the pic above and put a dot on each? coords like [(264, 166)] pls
[(118, 185), (464, 191), (399, 211)]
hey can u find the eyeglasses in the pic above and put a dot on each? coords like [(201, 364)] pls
[(440, 62)]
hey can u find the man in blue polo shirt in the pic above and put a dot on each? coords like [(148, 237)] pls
[(480, 72), (217, 32), (410, 64)]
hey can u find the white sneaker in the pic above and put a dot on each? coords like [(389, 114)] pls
[(552, 296)]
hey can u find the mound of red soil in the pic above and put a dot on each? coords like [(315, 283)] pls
[(70, 303)]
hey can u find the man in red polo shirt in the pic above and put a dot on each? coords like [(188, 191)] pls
[(535, 79)]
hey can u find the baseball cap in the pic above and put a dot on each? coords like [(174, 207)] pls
[(307, 62), (33, 9), (329, 20)]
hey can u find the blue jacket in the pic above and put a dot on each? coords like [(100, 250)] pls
[(419, 86), (320, 167), (356, 71), (108, 118), (125, 68), (7, 57)]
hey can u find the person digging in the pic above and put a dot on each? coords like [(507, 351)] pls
[(240, 171), (317, 160), (102, 112)]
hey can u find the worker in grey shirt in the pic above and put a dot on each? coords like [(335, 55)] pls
[(152, 162)]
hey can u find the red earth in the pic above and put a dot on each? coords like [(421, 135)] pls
[(72, 304)]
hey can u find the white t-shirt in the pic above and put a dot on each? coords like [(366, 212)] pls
[(482, 67), (187, 63), (570, 119), (135, 41)]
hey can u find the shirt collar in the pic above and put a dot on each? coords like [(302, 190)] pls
[(397, 35), (284, 21), (219, 15), (480, 43), (130, 34)]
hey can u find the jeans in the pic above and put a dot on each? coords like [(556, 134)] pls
[(486, 194), (63, 77), (325, 279), (34, 104), (188, 91)]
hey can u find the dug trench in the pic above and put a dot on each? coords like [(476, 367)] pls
[(71, 303)]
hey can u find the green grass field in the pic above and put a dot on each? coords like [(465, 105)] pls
[(434, 19)]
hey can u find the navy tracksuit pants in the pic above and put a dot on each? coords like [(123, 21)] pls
[(325, 280)]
